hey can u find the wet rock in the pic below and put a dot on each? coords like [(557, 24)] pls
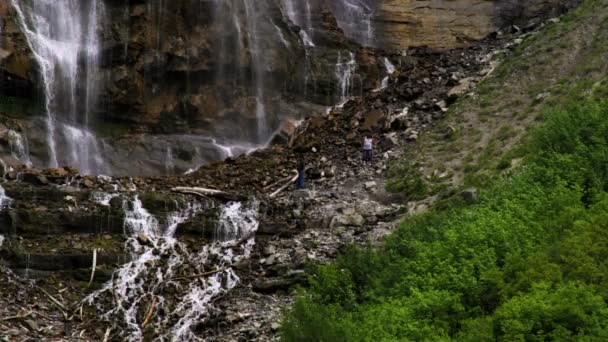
[(143, 239)]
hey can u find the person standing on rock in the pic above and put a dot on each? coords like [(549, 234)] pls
[(368, 147), (301, 172)]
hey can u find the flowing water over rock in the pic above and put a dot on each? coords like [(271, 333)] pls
[(63, 36), (5, 201), (346, 68), (356, 18), (169, 285), (390, 69), (19, 147)]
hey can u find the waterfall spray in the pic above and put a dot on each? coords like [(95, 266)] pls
[(63, 36), (162, 276)]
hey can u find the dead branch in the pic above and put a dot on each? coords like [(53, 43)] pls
[(19, 316), (94, 265), (288, 183), (150, 312), (106, 336), (57, 303), (200, 275), (203, 192)]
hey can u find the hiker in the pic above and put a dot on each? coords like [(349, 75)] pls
[(301, 172), (368, 146)]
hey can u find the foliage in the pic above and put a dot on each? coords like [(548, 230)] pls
[(526, 262)]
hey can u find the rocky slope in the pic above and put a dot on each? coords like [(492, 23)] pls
[(346, 201), (172, 69), (58, 219)]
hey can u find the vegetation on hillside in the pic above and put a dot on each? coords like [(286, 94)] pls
[(528, 260)]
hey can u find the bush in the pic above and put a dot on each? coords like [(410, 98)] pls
[(526, 262)]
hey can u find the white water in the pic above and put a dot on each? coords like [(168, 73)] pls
[(159, 259), (5, 201), (83, 150), (63, 36), (345, 71), (103, 198), (356, 17), (19, 147), (390, 69)]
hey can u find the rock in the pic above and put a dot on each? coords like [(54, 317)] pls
[(469, 194), (275, 326), (32, 325), (353, 220), (143, 239), (370, 185), (464, 86), (302, 194), (442, 106), (13, 332), (273, 285)]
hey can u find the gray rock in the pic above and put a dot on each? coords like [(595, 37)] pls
[(370, 185), (354, 220), (30, 324), (469, 194)]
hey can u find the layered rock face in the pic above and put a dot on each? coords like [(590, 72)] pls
[(444, 24), (181, 83)]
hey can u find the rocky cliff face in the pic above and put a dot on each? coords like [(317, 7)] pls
[(229, 71), (448, 24)]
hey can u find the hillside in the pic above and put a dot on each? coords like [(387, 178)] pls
[(522, 257)]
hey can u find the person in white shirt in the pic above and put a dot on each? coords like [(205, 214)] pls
[(368, 147)]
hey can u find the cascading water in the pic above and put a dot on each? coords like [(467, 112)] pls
[(5, 201), (63, 36), (390, 69), (19, 147), (355, 18), (345, 71), (154, 281), (300, 14)]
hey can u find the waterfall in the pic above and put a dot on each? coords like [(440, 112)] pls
[(19, 148), (390, 69), (159, 259), (5, 201), (355, 18), (345, 70), (243, 37), (252, 9), (63, 36)]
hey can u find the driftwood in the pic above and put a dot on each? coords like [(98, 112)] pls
[(19, 316), (57, 303), (106, 336), (94, 266), (198, 191), (268, 187), (204, 192), (150, 312), (200, 275), (288, 183)]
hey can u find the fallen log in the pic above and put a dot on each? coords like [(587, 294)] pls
[(17, 317), (200, 275), (287, 184), (93, 267), (150, 312), (204, 192)]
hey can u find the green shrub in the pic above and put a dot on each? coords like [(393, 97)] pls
[(526, 262)]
